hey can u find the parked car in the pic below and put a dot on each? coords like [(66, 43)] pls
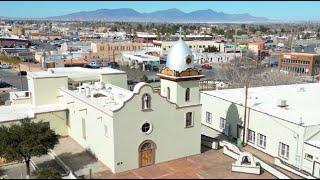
[(206, 66), (5, 66), (94, 64), (113, 65), (22, 73)]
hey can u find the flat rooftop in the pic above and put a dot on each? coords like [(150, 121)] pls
[(21, 111), (302, 100), (75, 73), (106, 97)]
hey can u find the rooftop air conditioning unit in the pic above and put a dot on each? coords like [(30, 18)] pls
[(282, 103)]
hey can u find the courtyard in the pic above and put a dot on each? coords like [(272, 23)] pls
[(209, 164)]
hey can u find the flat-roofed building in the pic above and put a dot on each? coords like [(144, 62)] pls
[(281, 121), (110, 50), (300, 63)]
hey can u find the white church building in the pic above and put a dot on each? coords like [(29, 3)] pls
[(123, 129)]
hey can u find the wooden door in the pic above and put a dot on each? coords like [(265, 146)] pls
[(146, 158)]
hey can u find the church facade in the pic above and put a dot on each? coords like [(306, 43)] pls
[(123, 129)]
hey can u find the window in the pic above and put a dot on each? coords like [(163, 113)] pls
[(261, 141), (146, 101), (283, 150), (84, 136), (209, 117), (106, 133), (146, 128), (308, 157), (222, 123), (187, 98), (251, 136), (189, 119), (168, 93)]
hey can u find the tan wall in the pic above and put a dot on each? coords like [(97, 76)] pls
[(172, 139), (46, 89)]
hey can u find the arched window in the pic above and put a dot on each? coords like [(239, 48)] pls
[(146, 101), (168, 93), (189, 122), (187, 98)]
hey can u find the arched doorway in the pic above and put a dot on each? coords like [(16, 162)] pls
[(147, 151)]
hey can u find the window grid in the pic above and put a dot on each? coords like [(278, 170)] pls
[(209, 117), (262, 141), (251, 136), (283, 150)]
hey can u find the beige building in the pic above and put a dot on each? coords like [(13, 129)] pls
[(123, 129), (111, 50)]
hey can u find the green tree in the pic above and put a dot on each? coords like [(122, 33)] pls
[(47, 173), (211, 49), (144, 78), (22, 141)]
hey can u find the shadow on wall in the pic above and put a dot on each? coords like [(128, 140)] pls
[(233, 119)]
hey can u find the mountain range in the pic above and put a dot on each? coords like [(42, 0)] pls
[(169, 15)]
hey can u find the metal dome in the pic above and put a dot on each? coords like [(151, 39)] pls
[(178, 57)]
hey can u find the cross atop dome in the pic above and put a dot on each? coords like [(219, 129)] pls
[(180, 32)]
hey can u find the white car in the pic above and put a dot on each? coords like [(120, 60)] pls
[(5, 66)]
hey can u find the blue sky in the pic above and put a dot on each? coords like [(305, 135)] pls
[(281, 10)]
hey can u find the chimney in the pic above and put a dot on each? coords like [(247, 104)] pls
[(282, 103)]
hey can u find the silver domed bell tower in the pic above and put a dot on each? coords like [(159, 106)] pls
[(180, 79)]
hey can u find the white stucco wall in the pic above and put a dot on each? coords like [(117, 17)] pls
[(312, 166), (169, 134), (277, 131), (178, 89), (96, 120), (45, 90), (119, 80), (56, 119)]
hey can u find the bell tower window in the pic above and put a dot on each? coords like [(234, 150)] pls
[(146, 102), (168, 93), (187, 96), (188, 122)]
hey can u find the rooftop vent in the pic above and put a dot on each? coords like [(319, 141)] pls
[(282, 103)]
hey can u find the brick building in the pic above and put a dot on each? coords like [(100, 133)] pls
[(300, 63)]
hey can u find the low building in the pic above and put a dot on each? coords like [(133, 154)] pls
[(300, 63), (23, 53), (280, 121), (217, 57), (258, 50), (13, 42), (113, 50), (195, 46)]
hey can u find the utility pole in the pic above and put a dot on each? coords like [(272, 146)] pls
[(246, 84), (235, 47)]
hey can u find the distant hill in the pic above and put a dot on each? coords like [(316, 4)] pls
[(169, 15)]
